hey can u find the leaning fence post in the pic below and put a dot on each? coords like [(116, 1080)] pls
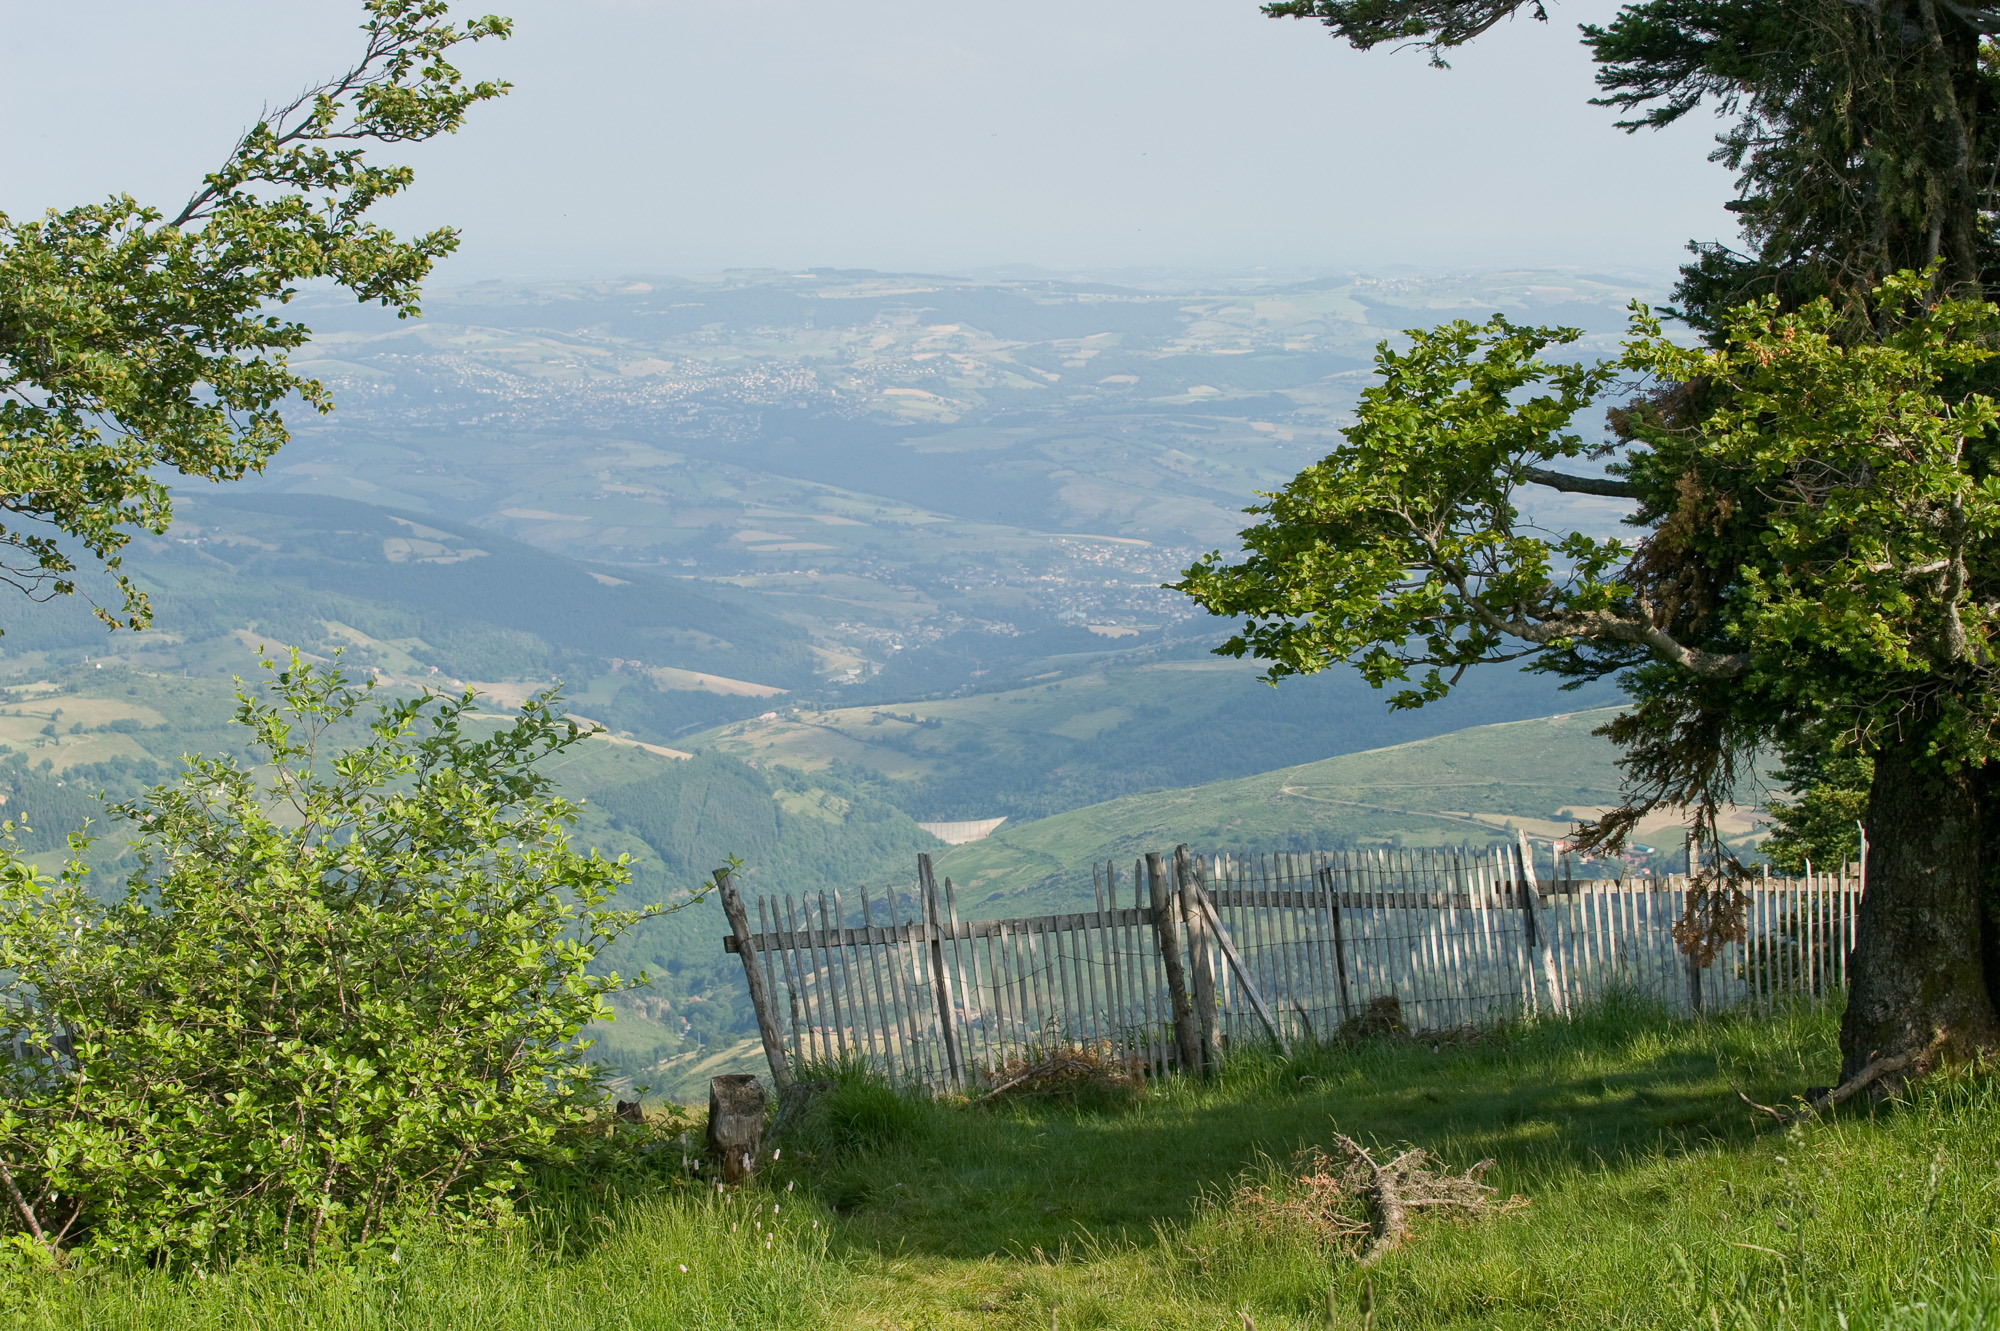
[(1202, 961), (760, 998), (1534, 932), (1187, 1041), (1263, 1010), (940, 975)]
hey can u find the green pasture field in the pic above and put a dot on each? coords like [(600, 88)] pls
[(1077, 727), (1648, 1199), (1469, 787)]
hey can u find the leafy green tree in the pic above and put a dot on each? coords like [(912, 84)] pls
[(1866, 145), (132, 341), (1821, 824), (1817, 553), (347, 994)]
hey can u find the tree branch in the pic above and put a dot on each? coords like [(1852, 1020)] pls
[(28, 1214), (1603, 626), (1853, 1086), (1607, 486)]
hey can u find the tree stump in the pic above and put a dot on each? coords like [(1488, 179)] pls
[(736, 1123)]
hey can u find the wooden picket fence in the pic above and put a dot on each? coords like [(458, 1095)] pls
[(1214, 952)]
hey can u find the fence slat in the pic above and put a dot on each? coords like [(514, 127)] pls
[(1338, 943), (895, 964), (1122, 1024), (833, 987), (1299, 942), (972, 1000), (868, 1032), (1006, 992)]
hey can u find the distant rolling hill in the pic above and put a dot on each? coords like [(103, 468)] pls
[(425, 601), (1468, 787), (1082, 729)]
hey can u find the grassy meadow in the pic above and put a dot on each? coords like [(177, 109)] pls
[(1651, 1200), (1467, 787)]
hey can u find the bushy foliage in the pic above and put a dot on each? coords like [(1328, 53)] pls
[(1811, 543), (346, 993), (1821, 823), (132, 341)]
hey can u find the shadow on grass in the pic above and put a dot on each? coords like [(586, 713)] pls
[(1620, 1082)]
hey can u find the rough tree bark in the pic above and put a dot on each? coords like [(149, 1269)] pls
[(1917, 968), (736, 1123)]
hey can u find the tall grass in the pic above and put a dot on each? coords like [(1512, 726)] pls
[(695, 1260), (1653, 1202)]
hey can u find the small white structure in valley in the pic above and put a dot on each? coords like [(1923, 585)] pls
[(957, 834)]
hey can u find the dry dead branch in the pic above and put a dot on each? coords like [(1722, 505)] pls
[(1711, 919), (1382, 1016), (1322, 1190), (1411, 1182), (1876, 1069), (1382, 1019), (1066, 1071)]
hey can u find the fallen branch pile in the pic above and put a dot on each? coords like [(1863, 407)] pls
[(1321, 1195), (1382, 1016), (1065, 1071)]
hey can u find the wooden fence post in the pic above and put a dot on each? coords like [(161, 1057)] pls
[(1534, 931), (1693, 903), (1202, 962), (1339, 941), (940, 974), (1187, 1041), (760, 998)]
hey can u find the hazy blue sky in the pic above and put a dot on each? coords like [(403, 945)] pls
[(691, 135)]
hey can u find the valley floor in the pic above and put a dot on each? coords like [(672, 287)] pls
[(1650, 1202)]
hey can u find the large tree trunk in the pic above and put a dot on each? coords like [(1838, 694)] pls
[(1917, 967)]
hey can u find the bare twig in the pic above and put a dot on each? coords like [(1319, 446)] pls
[(1047, 1068), (1406, 1184), (1392, 1223), (1319, 1194)]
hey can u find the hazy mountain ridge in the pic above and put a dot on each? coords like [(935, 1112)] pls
[(886, 459)]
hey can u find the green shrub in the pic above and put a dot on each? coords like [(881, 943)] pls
[(347, 992), (842, 1120)]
